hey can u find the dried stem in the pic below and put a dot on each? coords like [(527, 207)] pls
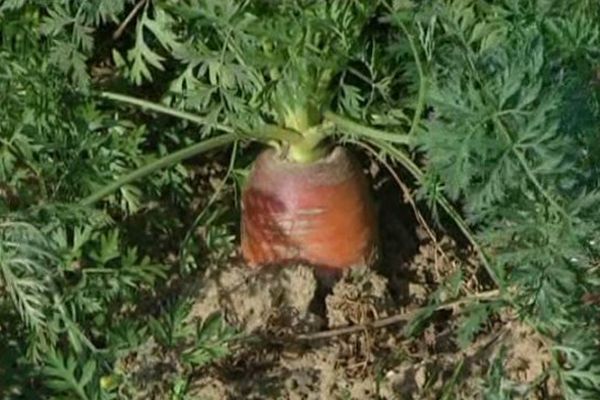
[(394, 319), (409, 198), (128, 19)]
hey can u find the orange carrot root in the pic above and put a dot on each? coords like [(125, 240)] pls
[(320, 213)]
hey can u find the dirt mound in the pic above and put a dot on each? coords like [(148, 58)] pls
[(253, 301), (368, 363), (274, 306)]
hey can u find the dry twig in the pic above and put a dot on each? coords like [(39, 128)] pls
[(411, 201), (394, 319), (128, 19)]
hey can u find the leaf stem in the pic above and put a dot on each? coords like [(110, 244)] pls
[(213, 198), (528, 171), (366, 131), (162, 162), (422, 82), (274, 132), (267, 132), (164, 110)]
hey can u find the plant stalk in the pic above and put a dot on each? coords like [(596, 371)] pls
[(165, 110), (162, 162), (365, 131), (422, 82)]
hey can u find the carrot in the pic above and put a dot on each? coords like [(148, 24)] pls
[(319, 212), (303, 201)]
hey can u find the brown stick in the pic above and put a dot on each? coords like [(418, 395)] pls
[(394, 319), (128, 19), (410, 200)]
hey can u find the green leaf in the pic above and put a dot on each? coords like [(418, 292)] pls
[(62, 375), (56, 21), (419, 321), (474, 317)]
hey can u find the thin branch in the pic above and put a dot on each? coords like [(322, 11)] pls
[(394, 319), (360, 75), (128, 19), (169, 159)]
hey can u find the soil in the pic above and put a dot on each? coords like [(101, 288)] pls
[(276, 304)]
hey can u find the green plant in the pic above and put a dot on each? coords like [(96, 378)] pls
[(269, 78), (504, 144), (70, 277), (491, 106)]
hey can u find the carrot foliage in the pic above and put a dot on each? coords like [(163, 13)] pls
[(493, 107)]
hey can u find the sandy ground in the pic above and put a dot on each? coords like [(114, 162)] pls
[(374, 364)]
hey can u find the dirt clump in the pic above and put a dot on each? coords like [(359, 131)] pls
[(208, 388), (250, 299), (361, 296), (527, 357)]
